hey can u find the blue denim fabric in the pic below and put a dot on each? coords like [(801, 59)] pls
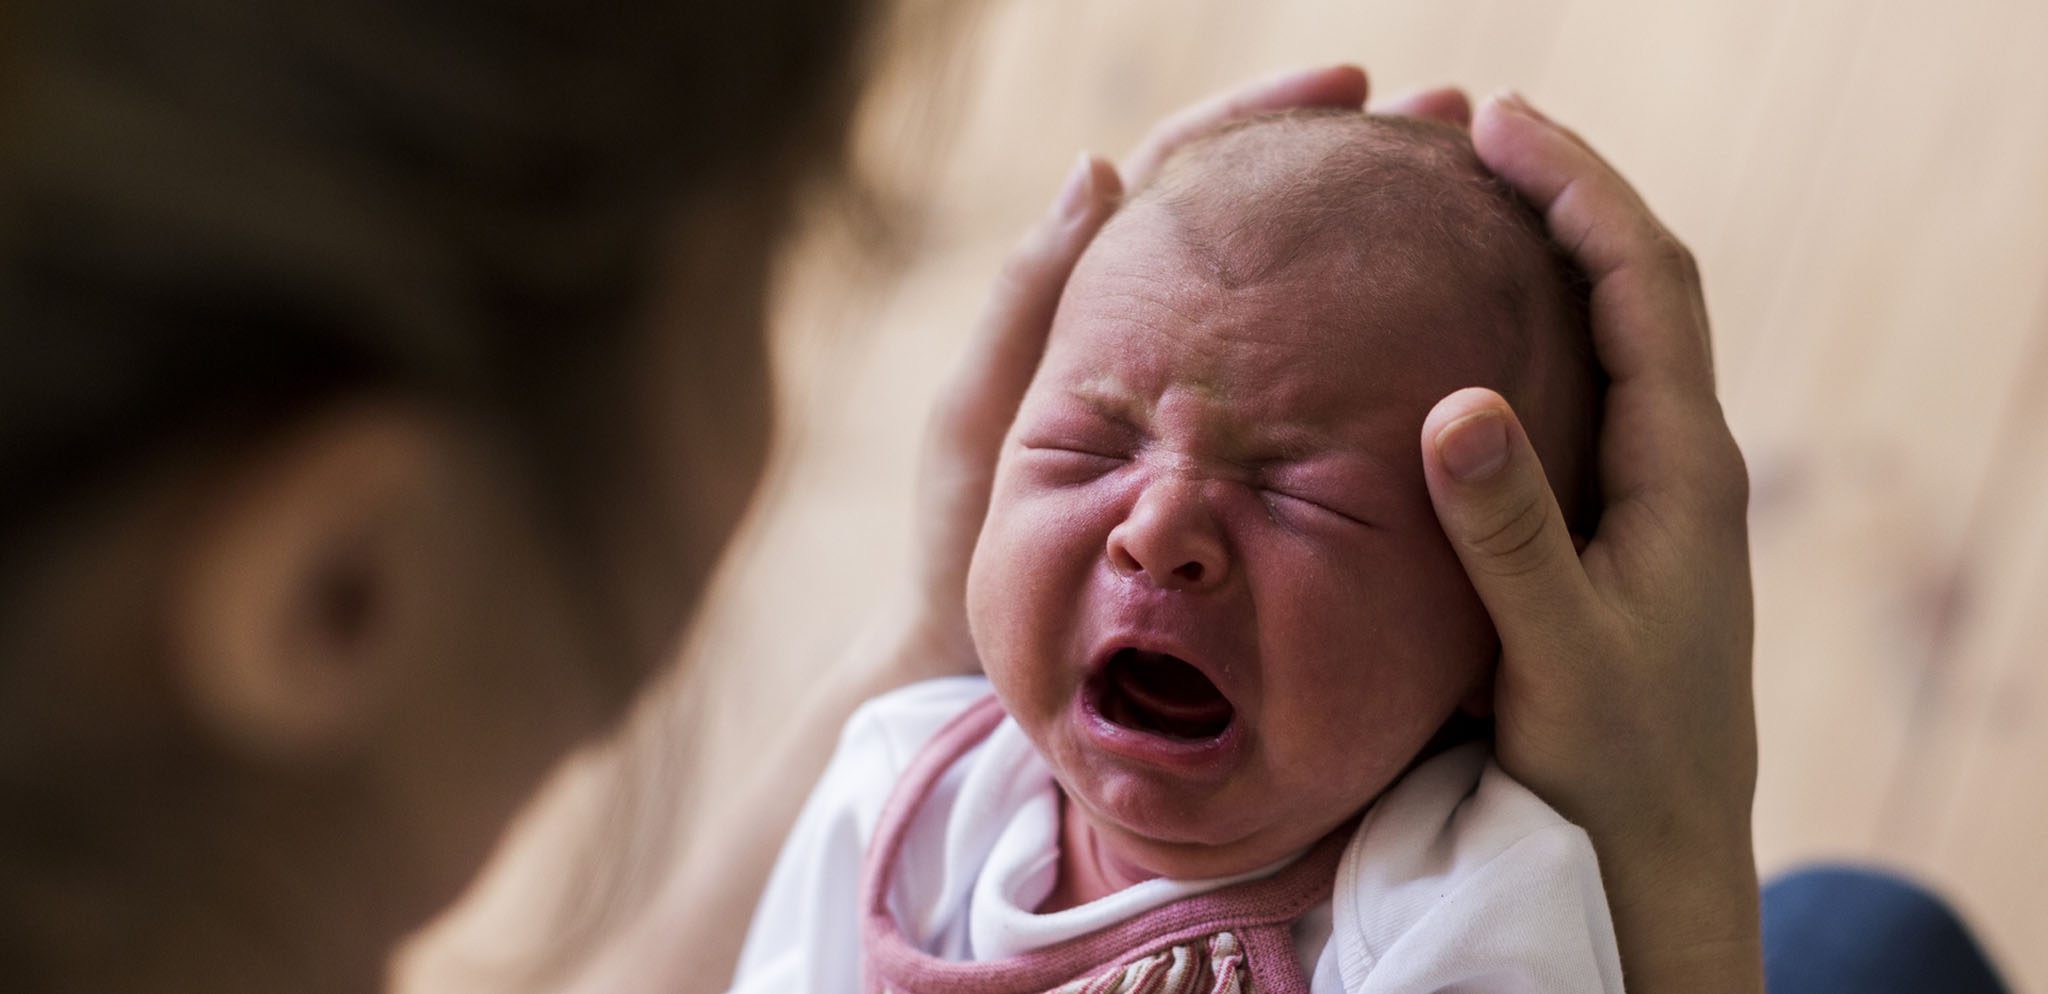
[(1838, 929)]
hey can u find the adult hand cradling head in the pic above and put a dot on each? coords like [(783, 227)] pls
[(1624, 690)]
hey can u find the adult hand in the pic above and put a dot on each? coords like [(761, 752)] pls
[(1623, 697), (977, 404)]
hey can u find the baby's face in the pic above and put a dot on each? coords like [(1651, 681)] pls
[(1211, 588)]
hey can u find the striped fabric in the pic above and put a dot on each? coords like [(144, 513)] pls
[(1212, 967), (1233, 940)]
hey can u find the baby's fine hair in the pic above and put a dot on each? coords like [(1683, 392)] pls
[(1412, 205)]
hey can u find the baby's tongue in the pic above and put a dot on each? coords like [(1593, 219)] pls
[(1170, 696)]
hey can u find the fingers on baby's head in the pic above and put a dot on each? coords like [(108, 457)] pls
[(1405, 208)]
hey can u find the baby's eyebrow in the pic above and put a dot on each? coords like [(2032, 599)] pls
[(1281, 441), (1108, 400), (1291, 442), (1286, 441)]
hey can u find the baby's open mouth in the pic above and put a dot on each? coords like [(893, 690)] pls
[(1161, 694)]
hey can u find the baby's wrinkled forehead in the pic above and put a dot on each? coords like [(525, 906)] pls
[(1373, 241), (1356, 212)]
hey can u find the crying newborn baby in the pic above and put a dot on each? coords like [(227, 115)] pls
[(1236, 666)]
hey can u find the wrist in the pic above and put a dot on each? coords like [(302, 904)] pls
[(1686, 917)]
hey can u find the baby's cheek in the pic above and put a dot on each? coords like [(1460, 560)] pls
[(1022, 588), (1376, 666), (1362, 749)]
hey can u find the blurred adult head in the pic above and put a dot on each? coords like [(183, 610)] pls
[(378, 384)]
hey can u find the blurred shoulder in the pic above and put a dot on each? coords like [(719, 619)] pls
[(892, 727)]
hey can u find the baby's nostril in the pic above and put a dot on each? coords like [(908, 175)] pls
[(1121, 559), (1191, 572)]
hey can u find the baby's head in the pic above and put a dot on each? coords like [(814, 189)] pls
[(1211, 588)]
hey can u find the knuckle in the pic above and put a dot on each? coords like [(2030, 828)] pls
[(1730, 491), (1514, 542), (1673, 254), (1040, 250), (1021, 269), (1717, 479)]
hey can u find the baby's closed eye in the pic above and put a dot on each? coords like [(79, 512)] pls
[(1078, 446), (1062, 459), (1316, 489)]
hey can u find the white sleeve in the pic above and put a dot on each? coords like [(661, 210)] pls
[(805, 934), (1500, 895)]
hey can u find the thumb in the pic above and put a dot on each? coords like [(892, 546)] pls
[(1495, 506)]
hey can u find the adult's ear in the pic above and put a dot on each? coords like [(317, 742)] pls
[(299, 601)]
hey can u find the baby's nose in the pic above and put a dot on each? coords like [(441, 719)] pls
[(1170, 540)]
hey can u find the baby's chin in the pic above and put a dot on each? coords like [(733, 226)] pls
[(1173, 830)]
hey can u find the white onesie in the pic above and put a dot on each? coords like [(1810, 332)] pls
[(1456, 879)]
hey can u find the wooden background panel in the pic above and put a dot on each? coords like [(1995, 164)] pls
[(1969, 798)]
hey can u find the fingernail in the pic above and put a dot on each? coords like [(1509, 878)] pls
[(1304, 75), (1457, 103), (1474, 447), (1074, 195), (1514, 101)]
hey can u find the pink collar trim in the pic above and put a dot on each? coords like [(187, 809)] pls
[(1262, 912)]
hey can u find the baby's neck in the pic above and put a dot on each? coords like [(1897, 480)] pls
[(1088, 870)]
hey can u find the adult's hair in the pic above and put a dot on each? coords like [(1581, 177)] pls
[(214, 213)]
